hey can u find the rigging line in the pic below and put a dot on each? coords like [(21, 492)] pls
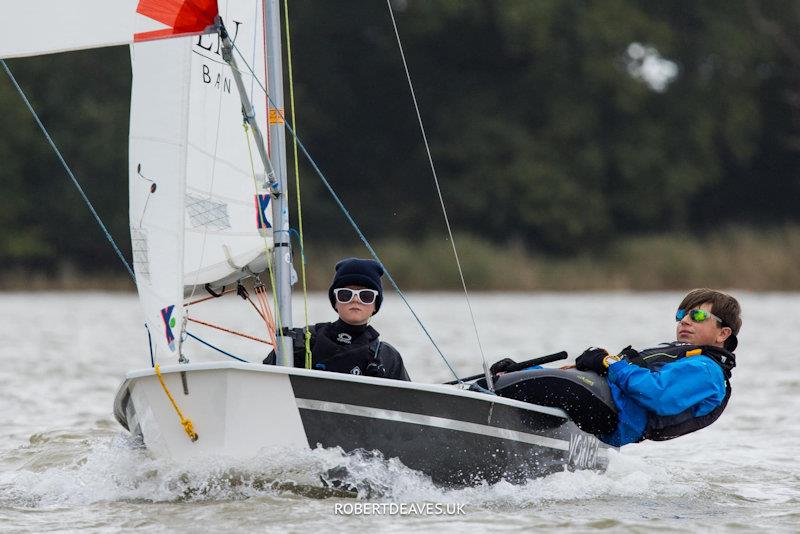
[(297, 181), (224, 292), (350, 219), (228, 330), (258, 311), (210, 297), (207, 344), (69, 171), (269, 321), (439, 191)]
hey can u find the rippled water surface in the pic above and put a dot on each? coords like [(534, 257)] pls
[(65, 464)]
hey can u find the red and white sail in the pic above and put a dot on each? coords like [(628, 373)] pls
[(199, 211), (36, 27)]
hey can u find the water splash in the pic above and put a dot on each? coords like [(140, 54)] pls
[(66, 469)]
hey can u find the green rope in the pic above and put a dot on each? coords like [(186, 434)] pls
[(297, 182)]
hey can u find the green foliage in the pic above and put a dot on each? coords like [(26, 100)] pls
[(83, 100), (544, 133), (731, 257)]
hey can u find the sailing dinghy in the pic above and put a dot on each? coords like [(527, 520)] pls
[(208, 211)]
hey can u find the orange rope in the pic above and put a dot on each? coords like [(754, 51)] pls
[(258, 311), (234, 332), (208, 298), (266, 314), (262, 309)]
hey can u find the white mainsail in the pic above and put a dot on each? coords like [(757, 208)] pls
[(199, 207), (35, 27)]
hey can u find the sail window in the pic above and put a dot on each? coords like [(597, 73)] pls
[(141, 259), (208, 214)]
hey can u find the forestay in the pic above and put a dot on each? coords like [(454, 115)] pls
[(198, 213)]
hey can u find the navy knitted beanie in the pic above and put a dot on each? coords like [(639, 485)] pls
[(358, 272)]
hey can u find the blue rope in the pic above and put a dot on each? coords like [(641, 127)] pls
[(299, 242), (207, 344), (69, 171), (346, 212)]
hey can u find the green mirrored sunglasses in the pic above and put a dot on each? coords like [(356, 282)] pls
[(697, 315)]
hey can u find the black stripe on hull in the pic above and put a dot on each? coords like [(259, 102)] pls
[(453, 439), (431, 403)]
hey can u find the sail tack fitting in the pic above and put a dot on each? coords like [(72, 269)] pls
[(182, 358)]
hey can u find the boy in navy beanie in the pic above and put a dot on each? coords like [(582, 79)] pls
[(358, 272), (350, 345)]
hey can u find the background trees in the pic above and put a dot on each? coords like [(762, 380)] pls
[(561, 126)]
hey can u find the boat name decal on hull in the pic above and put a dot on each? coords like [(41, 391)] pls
[(583, 451)]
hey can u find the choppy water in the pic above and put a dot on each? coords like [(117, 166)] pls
[(66, 465)]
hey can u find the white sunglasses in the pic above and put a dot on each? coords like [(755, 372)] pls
[(345, 295)]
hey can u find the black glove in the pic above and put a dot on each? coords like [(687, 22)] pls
[(501, 366), (376, 369), (629, 353), (592, 360)]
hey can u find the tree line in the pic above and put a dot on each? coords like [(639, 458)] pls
[(559, 126)]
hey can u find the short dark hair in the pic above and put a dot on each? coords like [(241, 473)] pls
[(723, 306)]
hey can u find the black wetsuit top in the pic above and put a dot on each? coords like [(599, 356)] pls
[(344, 348)]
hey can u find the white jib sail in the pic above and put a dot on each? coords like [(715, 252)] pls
[(208, 218), (35, 27)]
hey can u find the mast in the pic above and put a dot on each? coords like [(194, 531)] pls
[(282, 249), (274, 165)]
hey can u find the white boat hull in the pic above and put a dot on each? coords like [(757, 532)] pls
[(454, 436)]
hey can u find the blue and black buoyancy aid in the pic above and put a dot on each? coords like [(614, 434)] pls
[(664, 427)]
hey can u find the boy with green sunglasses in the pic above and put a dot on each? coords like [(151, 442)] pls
[(679, 387)]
